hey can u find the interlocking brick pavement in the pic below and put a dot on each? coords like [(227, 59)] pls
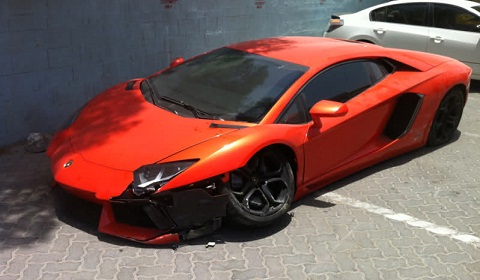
[(322, 238)]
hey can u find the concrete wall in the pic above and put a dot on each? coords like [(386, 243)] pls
[(57, 54)]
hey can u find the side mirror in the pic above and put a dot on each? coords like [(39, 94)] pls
[(327, 108), (177, 61)]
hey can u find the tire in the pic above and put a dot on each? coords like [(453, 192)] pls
[(447, 118), (261, 191)]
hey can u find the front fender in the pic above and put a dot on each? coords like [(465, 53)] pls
[(233, 150)]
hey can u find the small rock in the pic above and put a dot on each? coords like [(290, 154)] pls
[(37, 142)]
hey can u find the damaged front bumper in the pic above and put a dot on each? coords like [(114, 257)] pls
[(173, 215), (165, 217)]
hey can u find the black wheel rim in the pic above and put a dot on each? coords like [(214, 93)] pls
[(447, 118), (262, 186)]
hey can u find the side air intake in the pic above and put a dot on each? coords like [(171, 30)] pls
[(403, 115)]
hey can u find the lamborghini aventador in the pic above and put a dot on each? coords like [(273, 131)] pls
[(238, 133)]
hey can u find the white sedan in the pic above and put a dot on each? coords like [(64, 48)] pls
[(445, 27)]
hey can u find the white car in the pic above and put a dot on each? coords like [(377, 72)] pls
[(446, 27)]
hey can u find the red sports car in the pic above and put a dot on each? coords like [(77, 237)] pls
[(238, 133)]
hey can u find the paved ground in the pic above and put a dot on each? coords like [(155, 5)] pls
[(413, 217)]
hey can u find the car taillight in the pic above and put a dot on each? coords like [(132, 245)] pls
[(334, 24)]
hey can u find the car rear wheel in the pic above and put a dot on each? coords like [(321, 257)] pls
[(447, 118), (261, 191)]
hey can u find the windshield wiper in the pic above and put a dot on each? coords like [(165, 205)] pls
[(154, 96), (152, 92), (199, 114)]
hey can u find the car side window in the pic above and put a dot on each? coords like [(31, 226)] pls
[(338, 83), (342, 82), (295, 113), (450, 17), (413, 14)]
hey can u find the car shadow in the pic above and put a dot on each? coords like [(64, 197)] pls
[(226, 234), (236, 234), (475, 86), (311, 200), (26, 212), (85, 216)]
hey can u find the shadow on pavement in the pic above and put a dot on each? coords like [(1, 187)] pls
[(26, 204), (396, 161), (475, 86)]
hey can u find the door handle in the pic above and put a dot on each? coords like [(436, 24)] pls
[(437, 39), (379, 31)]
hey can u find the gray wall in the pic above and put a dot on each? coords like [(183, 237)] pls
[(57, 54)]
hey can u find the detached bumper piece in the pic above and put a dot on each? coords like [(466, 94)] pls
[(167, 217)]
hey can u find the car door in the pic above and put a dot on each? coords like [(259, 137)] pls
[(456, 33), (401, 26), (341, 139)]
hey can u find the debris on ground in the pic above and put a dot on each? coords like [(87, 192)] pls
[(37, 142), (210, 245)]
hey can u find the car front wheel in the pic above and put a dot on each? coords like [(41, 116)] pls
[(261, 191)]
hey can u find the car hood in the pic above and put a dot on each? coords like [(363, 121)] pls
[(120, 130)]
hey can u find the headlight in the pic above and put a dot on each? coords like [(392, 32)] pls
[(150, 178)]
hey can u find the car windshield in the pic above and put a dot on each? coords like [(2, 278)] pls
[(224, 84)]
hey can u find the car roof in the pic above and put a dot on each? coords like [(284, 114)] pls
[(308, 51), (461, 3), (320, 52)]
